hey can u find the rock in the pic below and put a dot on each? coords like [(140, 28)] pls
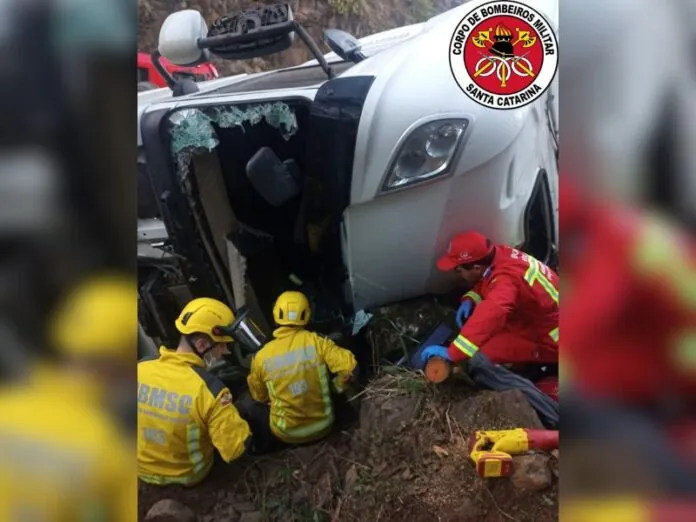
[(383, 417), (554, 463), (532, 472), (351, 480), (170, 511), (495, 410), (252, 516), (244, 507)]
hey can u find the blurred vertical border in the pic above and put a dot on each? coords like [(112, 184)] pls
[(67, 152), (67, 222), (628, 258)]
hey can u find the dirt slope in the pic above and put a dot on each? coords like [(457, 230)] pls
[(405, 460), (359, 17)]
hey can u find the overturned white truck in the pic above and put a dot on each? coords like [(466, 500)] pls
[(344, 177)]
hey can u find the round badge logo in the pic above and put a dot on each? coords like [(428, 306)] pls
[(503, 55)]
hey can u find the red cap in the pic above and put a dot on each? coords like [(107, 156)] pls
[(464, 248)]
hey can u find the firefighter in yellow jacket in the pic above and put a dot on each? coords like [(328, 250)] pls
[(184, 412), (292, 372), (65, 452)]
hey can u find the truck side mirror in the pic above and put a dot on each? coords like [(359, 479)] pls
[(344, 45), (272, 178), (179, 36)]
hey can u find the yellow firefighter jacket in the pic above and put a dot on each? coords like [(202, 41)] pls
[(292, 372), (62, 457), (183, 412)]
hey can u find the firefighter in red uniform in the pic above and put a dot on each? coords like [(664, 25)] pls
[(628, 369), (617, 261), (514, 320), (514, 301)]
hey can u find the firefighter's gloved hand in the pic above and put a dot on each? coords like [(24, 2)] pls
[(341, 382), (434, 351), (464, 312)]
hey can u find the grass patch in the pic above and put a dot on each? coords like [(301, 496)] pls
[(396, 381)]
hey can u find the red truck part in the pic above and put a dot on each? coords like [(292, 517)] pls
[(148, 73)]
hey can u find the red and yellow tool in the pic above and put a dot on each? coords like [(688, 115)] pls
[(492, 451)]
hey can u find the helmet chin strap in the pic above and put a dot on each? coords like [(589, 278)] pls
[(195, 350)]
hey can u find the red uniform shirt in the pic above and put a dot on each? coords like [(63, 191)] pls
[(629, 322), (518, 305)]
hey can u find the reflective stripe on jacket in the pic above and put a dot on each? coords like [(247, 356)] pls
[(292, 372), (64, 458), (183, 414), (629, 329), (517, 292)]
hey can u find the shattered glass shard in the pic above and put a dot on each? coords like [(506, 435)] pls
[(230, 117), (277, 114), (193, 129)]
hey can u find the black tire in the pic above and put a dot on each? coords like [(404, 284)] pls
[(146, 86)]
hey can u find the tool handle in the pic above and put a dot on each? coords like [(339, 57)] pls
[(545, 440), (479, 439)]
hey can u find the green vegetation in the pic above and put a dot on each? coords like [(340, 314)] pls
[(347, 7), (398, 381)]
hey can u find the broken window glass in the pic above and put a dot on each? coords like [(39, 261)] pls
[(193, 129)]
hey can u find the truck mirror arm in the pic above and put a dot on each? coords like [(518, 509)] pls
[(276, 30)]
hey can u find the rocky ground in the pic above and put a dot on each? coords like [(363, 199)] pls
[(405, 459)]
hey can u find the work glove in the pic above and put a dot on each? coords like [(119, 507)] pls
[(464, 312), (341, 382), (434, 351)]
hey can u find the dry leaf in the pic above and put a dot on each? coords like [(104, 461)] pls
[(440, 452)]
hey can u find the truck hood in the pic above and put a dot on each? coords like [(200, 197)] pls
[(413, 85), (412, 71)]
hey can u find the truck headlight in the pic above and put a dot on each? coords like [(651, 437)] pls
[(426, 153)]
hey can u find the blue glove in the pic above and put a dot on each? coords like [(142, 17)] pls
[(464, 312), (434, 351)]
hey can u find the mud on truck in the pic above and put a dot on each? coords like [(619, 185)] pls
[(343, 177)]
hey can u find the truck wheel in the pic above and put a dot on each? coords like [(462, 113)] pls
[(146, 86)]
